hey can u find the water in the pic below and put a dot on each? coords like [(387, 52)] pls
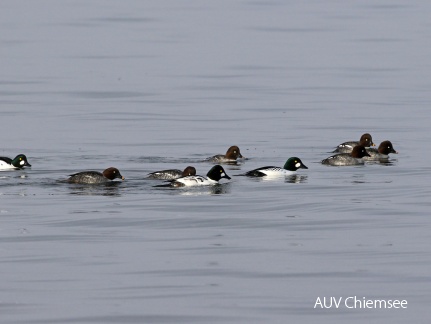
[(149, 85)]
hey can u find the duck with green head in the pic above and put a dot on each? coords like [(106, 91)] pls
[(18, 162), (289, 168)]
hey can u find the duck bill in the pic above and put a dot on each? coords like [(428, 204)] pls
[(226, 176), (303, 166), (27, 164), (122, 178)]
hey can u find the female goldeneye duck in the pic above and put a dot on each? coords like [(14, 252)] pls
[(213, 177), (382, 153), (94, 177), (18, 162), (289, 168), (353, 158), (172, 174), (366, 141), (231, 155)]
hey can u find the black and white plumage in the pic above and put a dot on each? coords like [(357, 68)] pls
[(289, 168), (19, 162), (213, 177)]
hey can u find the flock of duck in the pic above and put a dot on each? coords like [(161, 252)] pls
[(348, 153)]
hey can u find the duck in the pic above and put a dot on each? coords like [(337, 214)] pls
[(172, 174), (19, 162), (95, 177), (232, 154), (292, 164), (353, 158), (214, 175), (381, 153), (366, 140)]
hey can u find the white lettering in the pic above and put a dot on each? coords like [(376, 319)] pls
[(337, 304), (368, 304), (318, 302), (346, 302), (328, 302), (361, 303), (380, 302)]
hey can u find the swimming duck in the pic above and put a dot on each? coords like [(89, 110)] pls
[(382, 153), (353, 158), (213, 177), (366, 141), (18, 162), (95, 177), (172, 173), (289, 168), (232, 154)]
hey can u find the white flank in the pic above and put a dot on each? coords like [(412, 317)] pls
[(6, 166)]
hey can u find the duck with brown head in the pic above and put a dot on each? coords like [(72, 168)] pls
[(172, 174), (95, 177), (381, 153), (366, 141), (232, 154), (353, 158)]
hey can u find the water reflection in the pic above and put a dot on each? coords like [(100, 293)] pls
[(384, 162), (108, 189), (218, 189), (296, 178)]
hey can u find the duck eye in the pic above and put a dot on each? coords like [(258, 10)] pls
[(20, 159)]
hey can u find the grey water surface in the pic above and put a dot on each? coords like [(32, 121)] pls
[(151, 85)]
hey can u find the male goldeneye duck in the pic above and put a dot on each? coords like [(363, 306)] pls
[(353, 158), (366, 141), (289, 168), (18, 162), (94, 177), (172, 174), (213, 177), (231, 155), (382, 153)]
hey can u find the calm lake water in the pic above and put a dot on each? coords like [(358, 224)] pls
[(150, 85)]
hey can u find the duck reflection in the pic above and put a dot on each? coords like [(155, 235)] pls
[(108, 189), (384, 162), (296, 178), (218, 189)]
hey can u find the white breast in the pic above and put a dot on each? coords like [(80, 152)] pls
[(6, 166)]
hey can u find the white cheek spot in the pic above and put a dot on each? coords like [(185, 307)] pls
[(22, 162), (297, 165)]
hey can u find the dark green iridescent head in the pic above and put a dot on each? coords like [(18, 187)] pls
[(293, 164), (20, 161)]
